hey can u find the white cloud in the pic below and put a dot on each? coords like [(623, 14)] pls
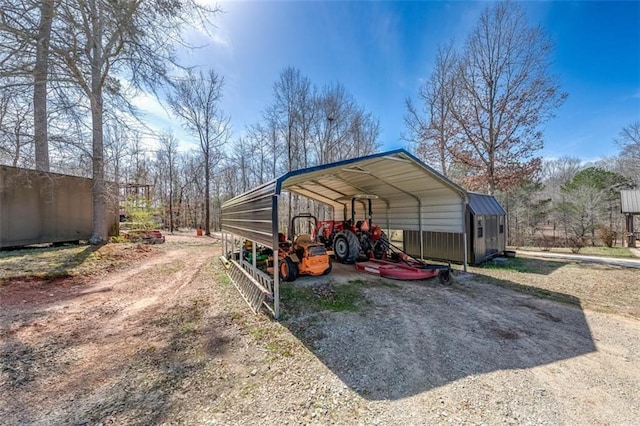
[(159, 119)]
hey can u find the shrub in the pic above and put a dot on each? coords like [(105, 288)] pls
[(576, 243), (608, 236)]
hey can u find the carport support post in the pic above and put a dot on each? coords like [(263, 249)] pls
[(420, 228), (253, 253), (276, 247), (465, 251)]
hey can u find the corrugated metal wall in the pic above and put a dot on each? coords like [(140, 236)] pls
[(252, 215), (436, 245), (38, 207), (448, 245)]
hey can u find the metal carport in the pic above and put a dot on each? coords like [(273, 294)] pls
[(411, 196)]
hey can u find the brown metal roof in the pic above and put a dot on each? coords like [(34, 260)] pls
[(630, 201), (482, 204)]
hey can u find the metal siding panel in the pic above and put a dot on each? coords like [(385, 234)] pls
[(630, 201), (250, 215), (437, 245)]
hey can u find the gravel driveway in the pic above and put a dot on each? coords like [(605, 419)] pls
[(424, 353), (170, 341)]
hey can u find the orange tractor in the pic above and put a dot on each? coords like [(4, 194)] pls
[(305, 256)]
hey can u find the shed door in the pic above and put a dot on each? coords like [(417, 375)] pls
[(491, 234)]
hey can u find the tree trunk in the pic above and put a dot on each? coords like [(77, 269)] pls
[(40, 71), (170, 202), (207, 195), (99, 188)]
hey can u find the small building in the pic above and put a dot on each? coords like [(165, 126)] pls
[(485, 233), (630, 206), (39, 207), (485, 227)]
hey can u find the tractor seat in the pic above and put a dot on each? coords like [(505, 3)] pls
[(302, 239)]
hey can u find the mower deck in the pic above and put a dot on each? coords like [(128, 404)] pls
[(398, 271)]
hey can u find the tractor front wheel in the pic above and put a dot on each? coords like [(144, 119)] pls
[(346, 247), (288, 269)]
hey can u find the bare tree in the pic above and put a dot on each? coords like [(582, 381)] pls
[(40, 77), (88, 45), (167, 157), (432, 129), (16, 127), (96, 41), (503, 93), (196, 101), (629, 158)]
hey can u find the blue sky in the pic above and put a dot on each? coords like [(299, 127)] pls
[(381, 51)]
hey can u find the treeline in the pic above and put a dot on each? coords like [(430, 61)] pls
[(570, 203), (69, 71), (304, 125)]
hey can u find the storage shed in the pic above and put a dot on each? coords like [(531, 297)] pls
[(410, 196), (630, 206), (485, 227)]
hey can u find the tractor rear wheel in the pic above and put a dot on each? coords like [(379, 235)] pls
[(288, 270), (346, 247)]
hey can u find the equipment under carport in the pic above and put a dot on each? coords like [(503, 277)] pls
[(397, 264), (305, 256), (410, 196)]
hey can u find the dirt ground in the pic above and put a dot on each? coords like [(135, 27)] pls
[(168, 340)]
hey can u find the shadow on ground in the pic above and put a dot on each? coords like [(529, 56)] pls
[(524, 265), (411, 337)]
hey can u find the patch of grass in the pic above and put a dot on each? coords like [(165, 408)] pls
[(66, 261), (345, 298), (603, 251), (388, 284), (221, 275), (525, 265), (515, 264), (49, 262), (335, 298)]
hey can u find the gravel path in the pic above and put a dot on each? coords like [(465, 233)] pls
[(170, 341)]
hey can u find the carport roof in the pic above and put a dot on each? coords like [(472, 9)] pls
[(386, 174), (406, 194)]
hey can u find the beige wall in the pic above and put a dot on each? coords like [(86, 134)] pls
[(38, 207)]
